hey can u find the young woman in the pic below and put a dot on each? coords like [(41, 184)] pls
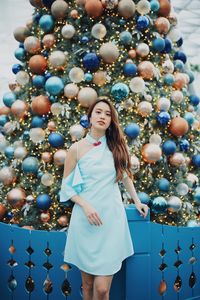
[(98, 238)]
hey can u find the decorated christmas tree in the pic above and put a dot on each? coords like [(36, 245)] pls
[(73, 52)]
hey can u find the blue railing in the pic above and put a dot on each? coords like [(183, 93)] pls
[(165, 266)]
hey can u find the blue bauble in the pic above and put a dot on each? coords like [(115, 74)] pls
[(184, 145), (163, 184), (43, 201), (155, 5), (119, 91), (191, 76), (194, 100), (142, 23), (91, 61), (196, 160), (26, 135), (16, 68), (21, 45), (45, 53), (179, 43), (125, 37), (189, 117), (9, 98), (56, 140), (84, 121), (54, 85), (159, 205), (9, 152), (53, 99), (37, 122), (88, 77), (20, 54), (3, 120), (169, 147), (12, 282), (30, 165), (180, 55), (39, 81), (36, 17), (130, 69), (169, 79), (163, 117), (197, 195), (47, 75), (179, 65), (144, 198), (10, 215), (132, 130), (48, 3), (158, 44), (46, 23), (84, 40), (168, 46)]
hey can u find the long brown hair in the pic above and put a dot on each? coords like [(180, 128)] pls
[(115, 140)]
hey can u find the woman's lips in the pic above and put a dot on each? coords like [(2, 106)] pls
[(101, 122)]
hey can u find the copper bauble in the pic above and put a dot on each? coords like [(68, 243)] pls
[(37, 64), (146, 70), (4, 110), (19, 109), (36, 3), (51, 126), (74, 14), (178, 126), (165, 8), (59, 9), (94, 8), (59, 157), (20, 33), (162, 25), (99, 78), (180, 81), (46, 156), (151, 153), (2, 211), (63, 221), (48, 40), (16, 197), (41, 105), (45, 217), (132, 53)]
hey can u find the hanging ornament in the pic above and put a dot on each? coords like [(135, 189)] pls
[(32, 44), (165, 8), (58, 60), (162, 25), (98, 31), (87, 96), (77, 132), (144, 108), (109, 52), (109, 4), (16, 197), (37, 64), (146, 70), (137, 85), (7, 175), (143, 7), (68, 31), (126, 8), (94, 8), (71, 90), (178, 126), (59, 157), (151, 153), (174, 204), (48, 40), (41, 105), (76, 75), (59, 9)]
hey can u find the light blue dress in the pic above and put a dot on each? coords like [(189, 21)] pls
[(97, 250)]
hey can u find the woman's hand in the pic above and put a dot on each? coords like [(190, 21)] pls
[(92, 215), (143, 209)]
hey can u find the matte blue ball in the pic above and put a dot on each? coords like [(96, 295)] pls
[(36, 17), (54, 85), (88, 77), (26, 135), (168, 46), (180, 55), (159, 205), (155, 5), (163, 117), (132, 130), (9, 98), (37, 122), (197, 195), (30, 165), (196, 160), (125, 37), (91, 61), (56, 140), (20, 54), (144, 198), (39, 81), (191, 76), (179, 43), (130, 69), (46, 23), (189, 117), (3, 120), (163, 184), (194, 100), (16, 68), (179, 65), (9, 152), (158, 44), (84, 121), (142, 23), (47, 75), (119, 91), (169, 147), (84, 40), (48, 3), (43, 201), (184, 145), (169, 79)]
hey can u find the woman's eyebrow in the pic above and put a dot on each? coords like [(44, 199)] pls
[(101, 110)]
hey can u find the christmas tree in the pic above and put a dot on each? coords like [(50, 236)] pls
[(73, 52)]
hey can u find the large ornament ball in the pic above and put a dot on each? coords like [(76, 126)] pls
[(132, 130), (20, 33), (30, 165), (37, 64), (126, 8), (56, 108), (3, 142), (174, 204), (143, 7), (91, 61), (169, 147), (194, 100), (63, 221), (174, 34), (100, 78), (155, 5), (119, 91), (177, 159), (109, 52), (177, 96), (196, 160), (46, 23), (46, 157), (20, 152), (182, 189), (109, 4), (47, 179), (142, 49), (54, 85), (43, 201), (178, 126), (197, 195), (74, 14), (58, 59), (7, 175), (192, 180), (77, 132), (158, 44), (59, 9), (76, 75), (41, 105), (159, 205), (9, 98), (144, 108), (87, 96), (99, 31), (168, 66), (68, 31), (165, 8), (71, 90), (37, 135), (48, 40), (137, 85), (19, 109), (130, 69), (142, 23), (45, 217), (32, 44), (94, 8), (3, 120), (56, 140), (22, 77), (2, 211), (163, 184), (144, 198), (179, 81), (16, 197), (4, 110), (59, 157), (163, 104), (151, 153), (155, 139), (135, 164), (125, 37), (146, 70), (36, 3), (132, 53), (162, 25)]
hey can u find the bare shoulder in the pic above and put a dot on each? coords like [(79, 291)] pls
[(73, 148)]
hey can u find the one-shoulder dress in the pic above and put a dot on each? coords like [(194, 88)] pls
[(97, 250)]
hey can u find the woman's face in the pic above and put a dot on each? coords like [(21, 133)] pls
[(101, 116)]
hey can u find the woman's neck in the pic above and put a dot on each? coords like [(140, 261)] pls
[(96, 134)]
